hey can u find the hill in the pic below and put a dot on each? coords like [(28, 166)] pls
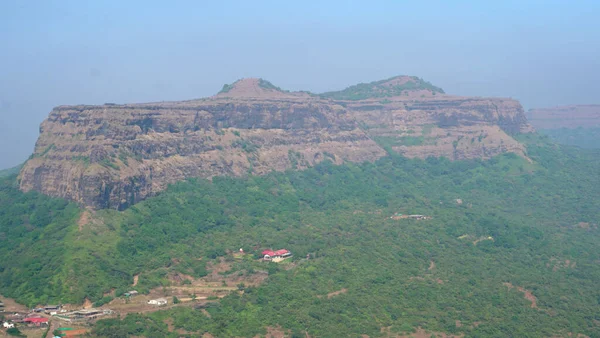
[(113, 156), (392, 87), (510, 249)]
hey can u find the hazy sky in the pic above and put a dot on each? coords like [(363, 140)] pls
[(543, 53)]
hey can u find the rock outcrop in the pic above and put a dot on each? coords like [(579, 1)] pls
[(113, 156)]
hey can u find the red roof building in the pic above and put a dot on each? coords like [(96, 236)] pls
[(36, 321), (270, 254), (281, 252)]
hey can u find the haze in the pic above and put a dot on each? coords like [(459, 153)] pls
[(543, 53)]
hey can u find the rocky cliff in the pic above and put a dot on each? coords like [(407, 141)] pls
[(112, 156), (574, 116)]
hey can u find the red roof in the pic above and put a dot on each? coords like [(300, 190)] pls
[(280, 252), (268, 252), (35, 320)]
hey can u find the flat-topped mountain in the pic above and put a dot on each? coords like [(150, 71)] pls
[(573, 116), (112, 156)]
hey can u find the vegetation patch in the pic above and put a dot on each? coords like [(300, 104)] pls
[(335, 220), (381, 89), (268, 85)]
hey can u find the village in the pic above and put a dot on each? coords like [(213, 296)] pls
[(64, 320)]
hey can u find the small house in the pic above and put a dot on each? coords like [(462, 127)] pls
[(276, 256), (131, 293), (159, 302), (36, 321), (15, 317), (8, 325), (51, 308)]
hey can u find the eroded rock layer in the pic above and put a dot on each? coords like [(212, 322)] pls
[(112, 156)]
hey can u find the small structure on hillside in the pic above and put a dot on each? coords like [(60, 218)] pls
[(398, 216), (8, 325), (15, 317), (85, 314), (131, 293), (51, 308), (36, 321), (276, 256), (159, 301), (1, 306), (419, 217)]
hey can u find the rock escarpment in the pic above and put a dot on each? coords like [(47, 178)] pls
[(113, 156), (570, 117)]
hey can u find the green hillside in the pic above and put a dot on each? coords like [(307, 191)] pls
[(382, 89), (10, 171), (396, 274), (588, 138)]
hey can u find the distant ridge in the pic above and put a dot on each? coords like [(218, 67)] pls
[(573, 116)]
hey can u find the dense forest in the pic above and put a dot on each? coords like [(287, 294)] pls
[(588, 138), (499, 229)]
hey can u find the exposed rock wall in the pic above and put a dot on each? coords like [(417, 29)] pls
[(112, 156)]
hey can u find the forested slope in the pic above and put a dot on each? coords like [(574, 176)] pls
[(444, 274), (588, 138)]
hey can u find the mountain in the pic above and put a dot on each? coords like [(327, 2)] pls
[(577, 125), (501, 241), (113, 156)]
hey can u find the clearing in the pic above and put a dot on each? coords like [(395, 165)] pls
[(190, 291), (526, 294)]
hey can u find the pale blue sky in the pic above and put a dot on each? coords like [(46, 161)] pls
[(543, 53)]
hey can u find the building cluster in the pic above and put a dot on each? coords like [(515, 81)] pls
[(27, 319), (84, 314)]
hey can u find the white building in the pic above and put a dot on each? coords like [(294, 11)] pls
[(159, 301), (8, 325)]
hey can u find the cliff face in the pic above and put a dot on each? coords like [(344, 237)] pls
[(570, 117), (442, 125), (112, 156)]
